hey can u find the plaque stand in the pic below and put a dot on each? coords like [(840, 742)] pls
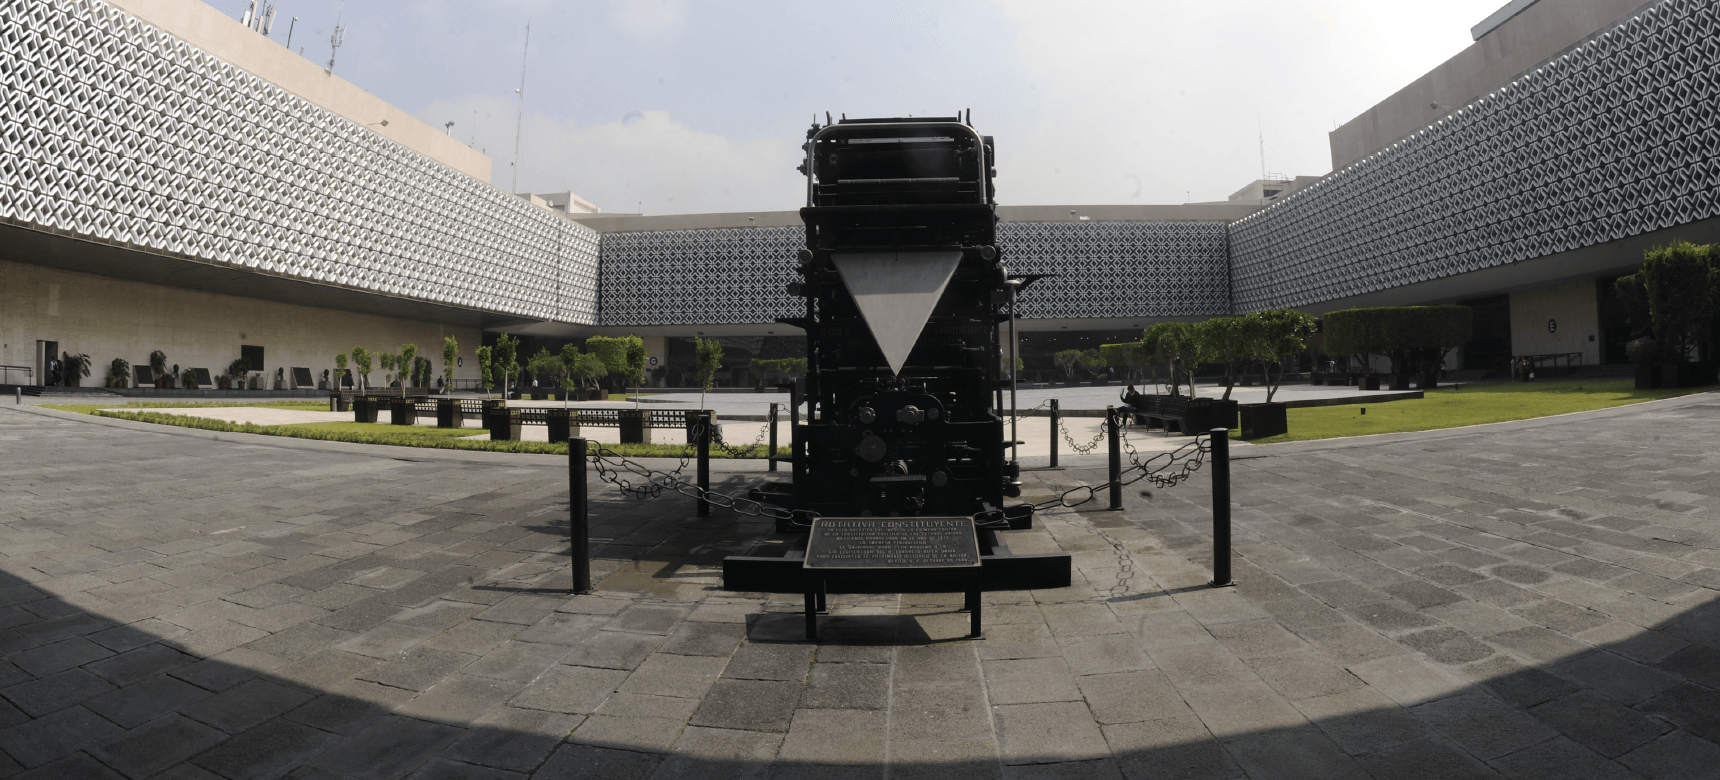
[(867, 548)]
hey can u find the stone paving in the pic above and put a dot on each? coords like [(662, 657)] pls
[(1532, 599)]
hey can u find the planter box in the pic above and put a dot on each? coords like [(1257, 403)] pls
[(402, 411), (1368, 383), (1400, 382), (448, 413), (633, 426), (1259, 421), (1430, 380), (1205, 414), (560, 424), (1684, 375), (364, 410), (497, 421)]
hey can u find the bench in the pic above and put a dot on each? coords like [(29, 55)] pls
[(1191, 415)]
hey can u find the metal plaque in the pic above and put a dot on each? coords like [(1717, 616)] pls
[(892, 543)]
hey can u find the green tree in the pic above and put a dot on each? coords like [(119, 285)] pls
[(1228, 341), (1357, 333), (1177, 344), (450, 353), (1677, 283), (506, 355), (1279, 332), (361, 362), (546, 368), (339, 369), (407, 364), (1132, 356), (486, 375), (708, 357), (636, 357), (386, 361), (1068, 360)]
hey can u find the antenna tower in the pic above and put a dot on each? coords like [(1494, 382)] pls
[(335, 41), (519, 121)]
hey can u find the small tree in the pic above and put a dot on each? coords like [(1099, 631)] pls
[(450, 353), (74, 365), (506, 355), (1176, 343), (1279, 332), (339, 369), (385, 361), (1229, 341), (1132, 356), (408, 365), (708, 357), (636, 357), (545, 368), (1068, 360), (485, 377), (361, 362), (158, 366)]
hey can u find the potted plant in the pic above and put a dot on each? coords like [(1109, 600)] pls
[(484, 379), (188, 378), (238, 373), (76, 366), (1276, 333), (450, 353), (158, 366), (119, 372), (404, 364)]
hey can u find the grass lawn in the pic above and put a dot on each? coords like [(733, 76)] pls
[(1472, 405), (383, 433), (296, 406)]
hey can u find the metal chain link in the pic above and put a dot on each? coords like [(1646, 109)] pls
[(1077, 448), (740, 452), (1022, 414), (1192, 456), (610, 466), (607, 461)]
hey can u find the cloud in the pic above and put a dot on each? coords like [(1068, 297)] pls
[(1161, 102), (642, 156), (659, 20)]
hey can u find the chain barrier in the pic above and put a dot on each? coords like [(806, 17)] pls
[(740, 452), (611, 465), (1191, 455), (1022, 414), (1077, 448), (1156, 470)]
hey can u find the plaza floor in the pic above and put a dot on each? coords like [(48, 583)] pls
[(1523, 600)]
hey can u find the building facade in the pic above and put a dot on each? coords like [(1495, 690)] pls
[(155, 194)]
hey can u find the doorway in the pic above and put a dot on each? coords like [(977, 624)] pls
[(47, 357)]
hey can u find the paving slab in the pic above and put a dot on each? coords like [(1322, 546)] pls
[(1534, 599)]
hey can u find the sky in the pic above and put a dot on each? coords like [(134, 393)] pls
[(681, 106)]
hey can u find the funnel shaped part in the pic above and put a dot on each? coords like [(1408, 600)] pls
[(896, 293)]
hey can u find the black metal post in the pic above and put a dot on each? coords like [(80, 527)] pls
[(1221, 508), (578, 523), (1111, 427), (1053, 433), (705, 421), (770, 455)]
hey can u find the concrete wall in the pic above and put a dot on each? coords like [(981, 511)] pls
[(1541, 32), (1572, 305), (108, 318), (220, 35)]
